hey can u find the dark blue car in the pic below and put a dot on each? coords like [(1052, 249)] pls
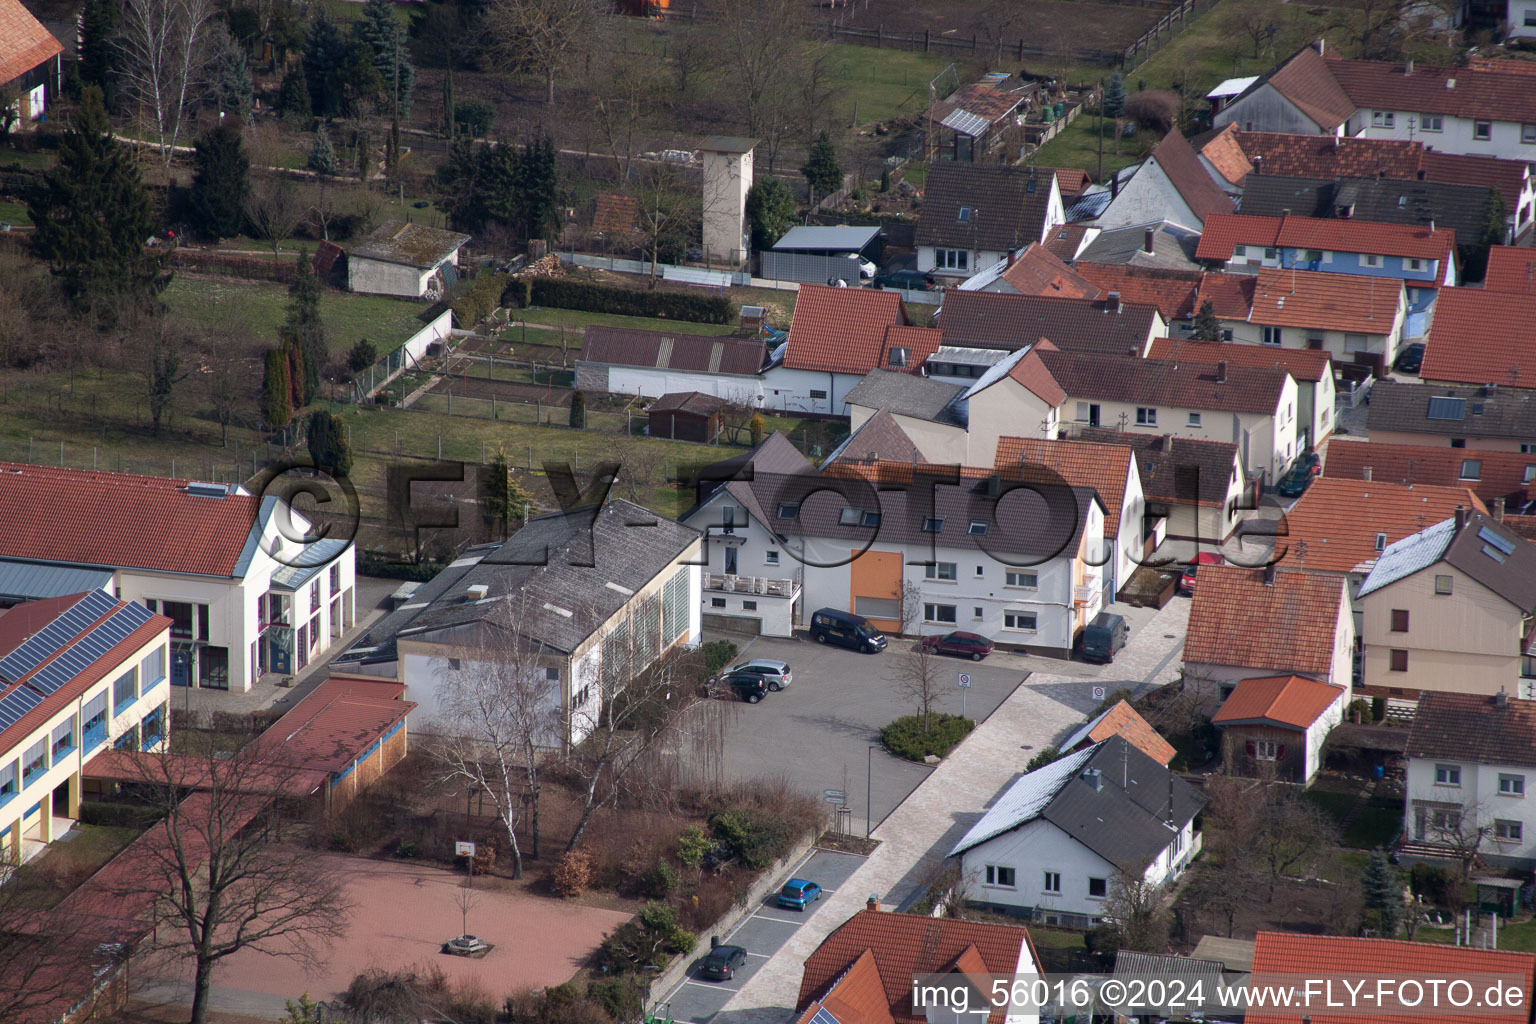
[(799, 894)]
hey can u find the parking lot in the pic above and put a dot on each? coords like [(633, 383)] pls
[(761, 934)]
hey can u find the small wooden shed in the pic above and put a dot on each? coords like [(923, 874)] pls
[(686, 416)]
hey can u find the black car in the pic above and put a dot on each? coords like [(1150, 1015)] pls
[(1295, 483), (723, 962), (1410, 359), (911, 280), (749, 686)]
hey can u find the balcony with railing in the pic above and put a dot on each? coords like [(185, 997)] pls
[(1084, 592), (761, 586)]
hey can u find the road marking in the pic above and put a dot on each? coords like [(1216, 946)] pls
[(765, 956), (716, 985), (780, 920)]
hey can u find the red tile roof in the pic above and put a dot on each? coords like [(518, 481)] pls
[(1326, 302), (615, 213), (905, 945), (1031, 372), (1499, 90), (1511, 269), (1225, 153), (1104, 467), (1328, 156), (841, 330), (1306, 82), (1171, 291), (1066, 240), (1302, 363), (1122, 720), (85, 517), (1189, 177), (1072, 181), (1038, 271), (336, 722), (1285, 626), (1337, 520), (1278, 700), (1510, 475), (1302, 956), (1223, 231), (1230, 295), (858, 997), (24, 42), (1482, 337)]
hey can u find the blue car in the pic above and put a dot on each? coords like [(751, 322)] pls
[(799, 894)]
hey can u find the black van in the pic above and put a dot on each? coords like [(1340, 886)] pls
[(846, 630), (1103, 637)]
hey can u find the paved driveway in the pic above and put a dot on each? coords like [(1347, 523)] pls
[(762, 933)]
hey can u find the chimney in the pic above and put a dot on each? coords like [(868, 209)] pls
[(1221, 371), (1320, 45), (1365, 474), (1269, 575), (1112, 302), (1501, 699), (1421, 174), (1431, 225), (1285, 212), (1013, 256), (1094, 778), (1114, 186), (1408, 68), (1258, 164), (1461, 517), (1146, 243), (872, 902), (1498, 510)]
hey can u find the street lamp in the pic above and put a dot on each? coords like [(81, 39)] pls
[(869, 788)]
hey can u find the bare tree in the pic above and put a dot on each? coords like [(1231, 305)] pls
[(220, 878), (45, 955), (1256, 20), (164, 47), (666, 208), (226, 393), (625, 105), (1459, 831), (918, 680), (1138, 909), (274, 210), (911, 606), (498, 720), (541, 37), (158, 347), (1295, 835), (752, 36)]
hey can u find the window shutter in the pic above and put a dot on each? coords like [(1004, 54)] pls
[(1280, 752), (1251, 748)]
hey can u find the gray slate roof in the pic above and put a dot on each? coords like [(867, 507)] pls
[(1122, 821), (30, 581), (1384, 200), (1505, 412), (1164, 462), (1484, 549), (904, 394), (565, 559), (1005, 206), (1173, 247), (414, 245), (879, 438), (994, 320), (842, 238)]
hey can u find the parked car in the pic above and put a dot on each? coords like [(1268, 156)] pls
[(1187, 579), (1102, 637), (909, 280), (828, 625), (1296, 482), (961, 643), (1410, 359), (749, 686), (866, 267), (798, 894), (776, 673), (723, 962)]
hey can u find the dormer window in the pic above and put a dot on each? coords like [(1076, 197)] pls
[(898, 357), (965, 215)]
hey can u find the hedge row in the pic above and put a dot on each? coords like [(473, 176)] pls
[(118, 815), (905, 736), (477, 299), (597, 298)]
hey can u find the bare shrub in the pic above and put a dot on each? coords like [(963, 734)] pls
[(1154, 108), (573, 873)]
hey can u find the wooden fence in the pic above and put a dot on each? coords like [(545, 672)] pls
[(255, 268)]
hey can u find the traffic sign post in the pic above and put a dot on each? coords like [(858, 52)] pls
[(1098, 693), (965, 688)]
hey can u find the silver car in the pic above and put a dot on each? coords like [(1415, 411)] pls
[(775, 673)]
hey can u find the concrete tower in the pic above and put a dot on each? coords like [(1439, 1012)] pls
[(727, 179)]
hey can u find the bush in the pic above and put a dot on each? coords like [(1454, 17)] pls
[(573, 873), (621, 999), (692, 845), (717, 654), (755, 838), (1042, 759), (661, 881), (560, 293), (408, 850), (1155, 108), (477, 299), (1115, 697), (118, 815), (474, 116), (905, 736), (362, 356)]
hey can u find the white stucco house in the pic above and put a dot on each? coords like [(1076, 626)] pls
[(405, 259), (974, 215), (246, 588), (1171, 185), (1059, 839)]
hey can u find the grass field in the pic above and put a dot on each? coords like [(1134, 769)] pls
[(259, 307), (576, 320), (880, 85), (1520, 936)]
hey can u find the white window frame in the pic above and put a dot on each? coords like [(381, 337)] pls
[(1266, 750), (995, 873), (1528, 134), (770, 557), (1373, 260), (1448, 775), (1016, 578), (1383, 119), (1013, 619), (1511, 785), (1272, 335), (951, 259), (1051, 882), (947, 572), (1146, 415), (1507, 830), (1431, 123), (1415, 264), (1193, 420), (1482, 130), (933, 612)]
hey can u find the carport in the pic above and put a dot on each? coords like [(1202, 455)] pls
[(811, 255)]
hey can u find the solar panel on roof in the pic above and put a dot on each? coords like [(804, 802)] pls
[(1506, 546), (824, 1016), (15, 705), (56, 634), (1446, 408)]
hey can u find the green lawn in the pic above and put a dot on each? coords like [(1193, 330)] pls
[(14, 213), (1520, 936), (576, 320), (260, 307), (1374, 826), (881, 84)]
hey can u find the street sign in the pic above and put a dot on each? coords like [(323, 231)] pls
[(463, 849), (834, 796), (1098, 693), (965, 679)]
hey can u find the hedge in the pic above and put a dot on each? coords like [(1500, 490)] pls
[(118, 815), (905, 737), (559, 293), (477, 299)]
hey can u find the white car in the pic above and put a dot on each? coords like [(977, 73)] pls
[(866, 268)]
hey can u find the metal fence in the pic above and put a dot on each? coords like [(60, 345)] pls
[(667, 271)]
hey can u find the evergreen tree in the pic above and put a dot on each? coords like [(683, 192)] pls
[(1383, 894), (275, 406), (293, 95), (1474, 254), (229, 76), (304, 328), (324, 63), (578, 408), (98, 51), (326, 436), (220, 181), (536, 184), (293, 356), (381, 30), (822, 170), (363, 88), (501, 499), (770, 210), (1113, 102), (322, 157), (92, 213), (1206, 327), (458, 175)]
